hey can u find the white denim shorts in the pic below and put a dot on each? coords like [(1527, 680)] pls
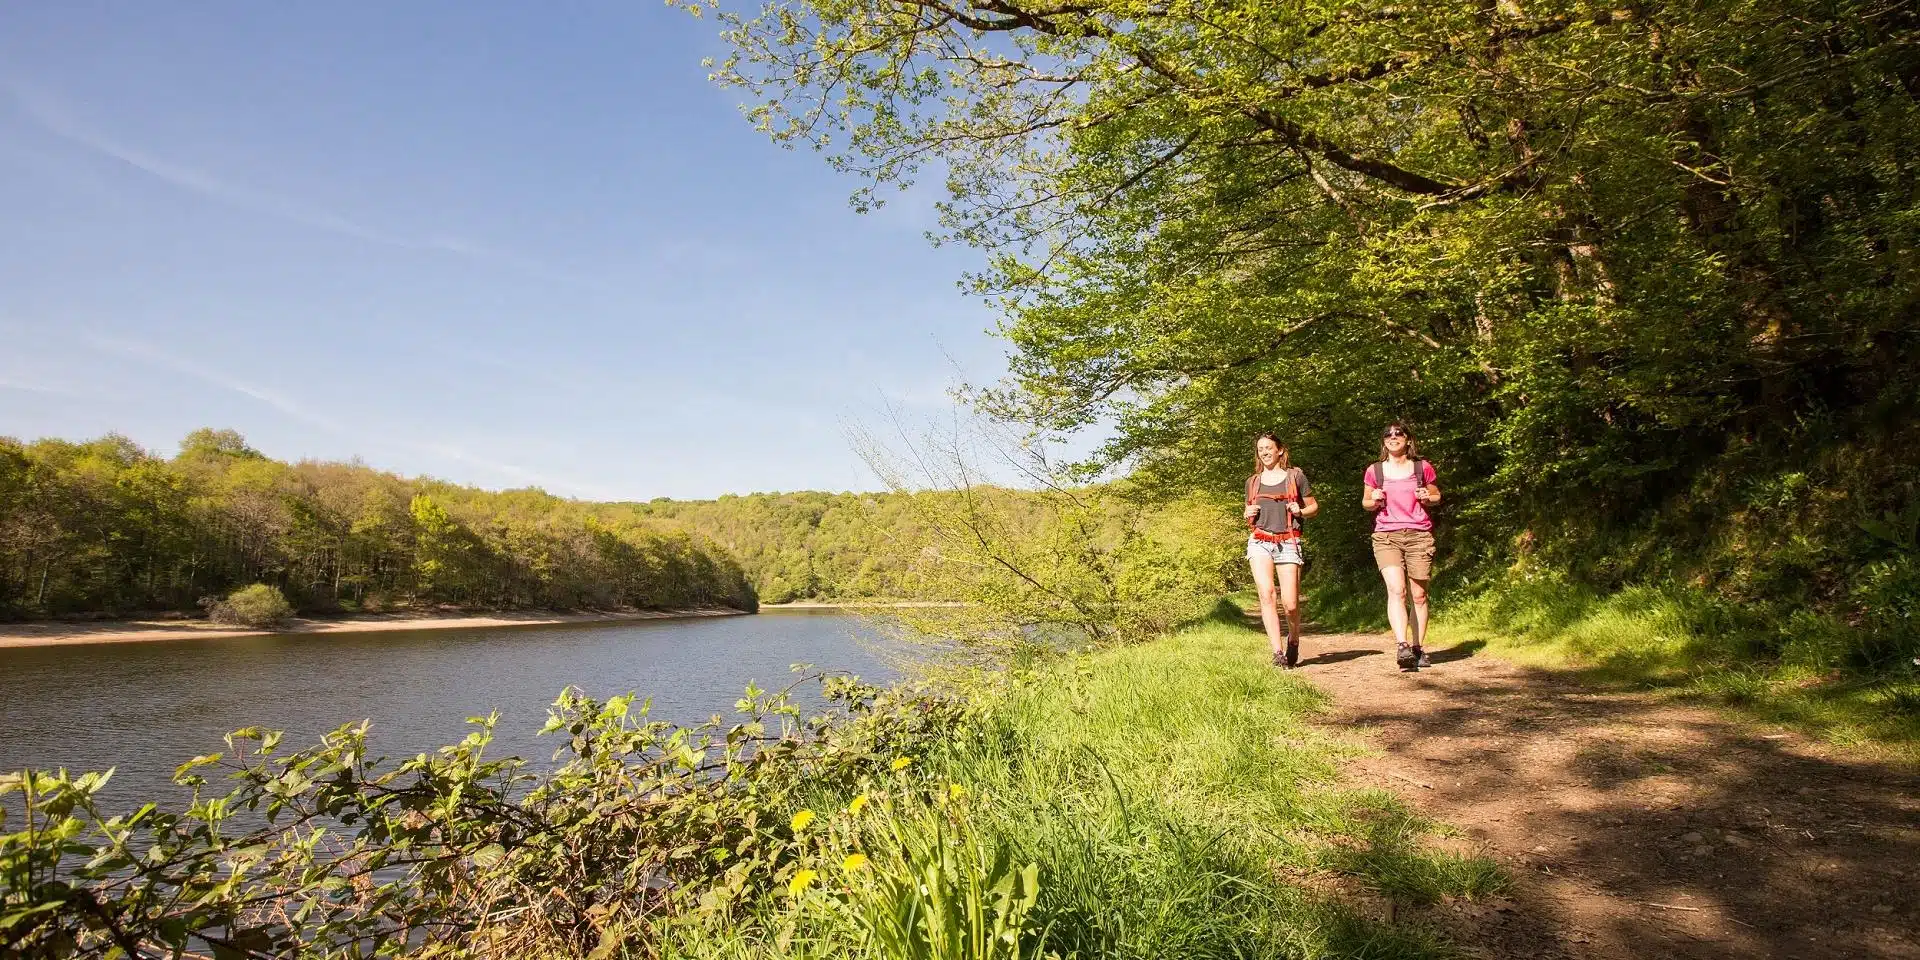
[(1287, 551)]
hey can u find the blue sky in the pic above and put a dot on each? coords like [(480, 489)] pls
[(502, 244)]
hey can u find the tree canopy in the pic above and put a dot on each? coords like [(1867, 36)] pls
[(105, 527), (1643, 276)]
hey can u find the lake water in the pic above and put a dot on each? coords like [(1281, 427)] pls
[(143, 708)]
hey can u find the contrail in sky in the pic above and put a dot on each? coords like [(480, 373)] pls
[(154, 356), (49, 115)]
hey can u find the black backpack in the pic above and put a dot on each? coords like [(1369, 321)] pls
[(1379, 473)]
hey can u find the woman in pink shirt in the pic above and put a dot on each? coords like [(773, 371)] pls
[(1399, 488)]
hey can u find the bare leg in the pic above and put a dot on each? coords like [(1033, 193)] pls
[(1396, 601), (1417, 592), (1263, 581), (1289, 577)]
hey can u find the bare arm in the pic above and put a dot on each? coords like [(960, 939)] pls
[(1428, 492)]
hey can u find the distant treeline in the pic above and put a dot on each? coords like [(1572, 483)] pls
[(107, 527), (813, 546)]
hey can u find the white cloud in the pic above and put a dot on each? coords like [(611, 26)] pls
[(35, 385), (154, 356), (49, 114), (293, 409)]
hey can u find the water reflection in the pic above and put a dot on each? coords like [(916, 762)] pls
[(145, 707)]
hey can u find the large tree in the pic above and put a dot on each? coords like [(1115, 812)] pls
[(1603, 255)]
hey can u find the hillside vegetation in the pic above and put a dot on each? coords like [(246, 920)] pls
[(1080, 810), (104, 527), (810, 546), (1644, 278)]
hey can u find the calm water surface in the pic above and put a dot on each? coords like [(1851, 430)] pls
[(145, 707)]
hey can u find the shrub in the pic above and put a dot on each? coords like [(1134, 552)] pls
[(259, 605)]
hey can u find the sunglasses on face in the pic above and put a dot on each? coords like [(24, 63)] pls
[(1394, 433)]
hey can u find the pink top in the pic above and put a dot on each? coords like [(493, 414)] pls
[(1402, 511)]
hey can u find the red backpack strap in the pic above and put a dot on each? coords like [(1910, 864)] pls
[(1253, 486)]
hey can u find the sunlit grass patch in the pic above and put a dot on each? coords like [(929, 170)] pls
[(1187, 772), (1790, 670), (1169, 799)]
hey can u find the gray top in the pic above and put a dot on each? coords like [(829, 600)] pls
[(1273, 516)]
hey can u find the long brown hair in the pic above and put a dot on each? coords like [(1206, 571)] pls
[(1286, 461), (1413, 449)]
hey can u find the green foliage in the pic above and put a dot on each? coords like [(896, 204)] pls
[(1081, 810), (1081, 564), (1062, 563), (808, 546), (328, 851), (105, 527), (917, 879), (1643, 278), (259, 605), (1151, 829), (1806, 669)]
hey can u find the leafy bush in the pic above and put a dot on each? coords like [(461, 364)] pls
[(1077, 810), (259, 605), (325, 851)]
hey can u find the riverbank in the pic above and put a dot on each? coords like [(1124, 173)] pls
[(860, 605), (49, 634), (1172, 798)]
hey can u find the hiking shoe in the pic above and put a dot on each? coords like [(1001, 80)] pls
[(1407, 659), (1420, 659), (1280, 660), (1293, 655)]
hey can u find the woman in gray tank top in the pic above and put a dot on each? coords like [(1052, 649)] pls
[(1278, 499)]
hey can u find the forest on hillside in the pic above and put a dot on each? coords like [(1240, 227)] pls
[(102, 528), (105, 527), (811, 546)]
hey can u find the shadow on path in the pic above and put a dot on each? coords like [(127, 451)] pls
[(1457, 652), (1341, 656), (1635, 826)]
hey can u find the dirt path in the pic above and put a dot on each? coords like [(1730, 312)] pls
[(1633, 826)]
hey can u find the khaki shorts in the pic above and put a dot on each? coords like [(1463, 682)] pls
[(1410, 550)]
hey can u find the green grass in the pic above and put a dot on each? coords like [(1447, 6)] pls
[(1172, 799), (1798, 668), (1783, 670)]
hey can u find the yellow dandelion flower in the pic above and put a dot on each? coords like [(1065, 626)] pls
[(858, 802), (901, 764), (800, 881), (956, 791), (801, 819), (853, 862)]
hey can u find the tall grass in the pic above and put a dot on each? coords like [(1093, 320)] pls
[(1774, 662), (1169, 799), (1783, 667)]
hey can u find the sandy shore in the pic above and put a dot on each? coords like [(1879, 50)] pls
[(859, 605), (46, 634)]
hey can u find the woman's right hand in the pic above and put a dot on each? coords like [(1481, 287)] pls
[(1250, 512)]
